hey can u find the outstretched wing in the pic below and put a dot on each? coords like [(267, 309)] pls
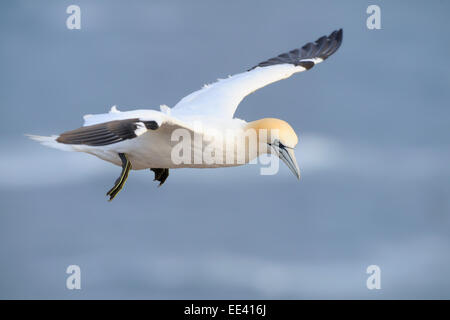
[(222, 98), (106, 133), (110, 128)]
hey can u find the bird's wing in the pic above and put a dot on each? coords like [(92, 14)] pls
[(106, 133), (222, 98), (115, 126)]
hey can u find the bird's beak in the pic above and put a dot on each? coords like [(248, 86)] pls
[(288, 156)]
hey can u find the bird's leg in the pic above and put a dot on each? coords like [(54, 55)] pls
[(161, 175), (126, 166)]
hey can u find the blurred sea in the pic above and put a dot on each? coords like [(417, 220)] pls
[(374, 151)]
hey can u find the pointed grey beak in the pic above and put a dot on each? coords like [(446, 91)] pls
[(288, 156)]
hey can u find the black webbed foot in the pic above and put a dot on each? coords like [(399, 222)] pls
[(161, 175)]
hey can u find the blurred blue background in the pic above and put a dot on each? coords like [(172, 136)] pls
[(374, 152)]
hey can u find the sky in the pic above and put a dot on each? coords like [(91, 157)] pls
[(373, 123)]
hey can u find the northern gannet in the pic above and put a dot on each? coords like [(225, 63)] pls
[(144, 139)]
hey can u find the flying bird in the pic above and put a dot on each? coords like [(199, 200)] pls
[(143, 139)]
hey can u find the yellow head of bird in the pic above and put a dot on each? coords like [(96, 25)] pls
[(281, 139)]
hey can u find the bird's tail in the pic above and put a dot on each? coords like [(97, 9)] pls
[(51, 142)]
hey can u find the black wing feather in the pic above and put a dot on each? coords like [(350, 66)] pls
[(321, 48), (105, 133)]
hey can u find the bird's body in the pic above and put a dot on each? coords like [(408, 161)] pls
[(200, 131), (153, 149)]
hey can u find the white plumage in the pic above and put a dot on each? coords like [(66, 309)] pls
[(143, 138)]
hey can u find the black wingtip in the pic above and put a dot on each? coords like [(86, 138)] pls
[(322, 48), (340, 36), (334, 41)]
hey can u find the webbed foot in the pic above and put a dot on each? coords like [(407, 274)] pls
[(161, 175)]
